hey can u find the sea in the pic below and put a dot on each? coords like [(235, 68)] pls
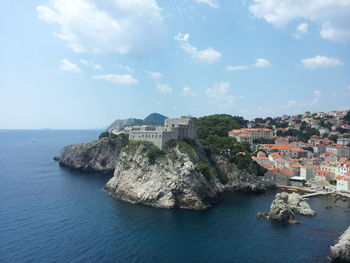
[(50, 213)]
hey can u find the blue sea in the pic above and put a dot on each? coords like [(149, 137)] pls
[(52, 214)]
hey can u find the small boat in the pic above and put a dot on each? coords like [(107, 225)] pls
[(33, 140)]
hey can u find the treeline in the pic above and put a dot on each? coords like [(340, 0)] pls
[(213, 134)]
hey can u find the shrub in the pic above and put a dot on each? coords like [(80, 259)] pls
[(204, 170), (153, 153), (222, 178), (104, 135)]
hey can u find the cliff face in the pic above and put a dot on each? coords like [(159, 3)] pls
[(174, 180), (340, 252), (99, 156), (237, 180)]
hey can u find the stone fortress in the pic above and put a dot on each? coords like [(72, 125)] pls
[(173, 129)]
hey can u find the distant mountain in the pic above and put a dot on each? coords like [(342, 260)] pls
[(152, 119)]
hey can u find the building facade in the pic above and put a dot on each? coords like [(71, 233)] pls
[(173, 129)]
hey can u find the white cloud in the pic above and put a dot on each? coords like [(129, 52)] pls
[(133, 25), (154, 75), (211, 3), (208, 55), (316, 99), (237, 68), (83, 61), (165, 88), (92, 65), (115, 78), (124, 67), (262, 63), (332, 15), (66, 65), (97, 67), (187, 92), (321, 62), (289, 104), (302, 29), (259, 63), (220, 89), (220, 92)]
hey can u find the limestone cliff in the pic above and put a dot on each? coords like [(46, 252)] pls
[(180, 177), (340, 252), (97, 156)]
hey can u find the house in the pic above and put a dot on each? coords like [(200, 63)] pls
[(343, 182), (250, 134), (343, 141), (329, 157), (322, 175), (339, 150), (282, 140)]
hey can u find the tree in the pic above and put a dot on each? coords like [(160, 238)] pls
[(218, 124), (334, 138), (347, 117)]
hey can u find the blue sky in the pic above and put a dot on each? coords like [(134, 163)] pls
[(85, 63)]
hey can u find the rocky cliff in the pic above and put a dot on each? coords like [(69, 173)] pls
[(99, 156), (180, 177), (340, 252)]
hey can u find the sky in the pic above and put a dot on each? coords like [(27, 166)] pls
[(82, 64)]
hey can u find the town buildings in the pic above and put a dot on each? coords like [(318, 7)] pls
[(251, 134)]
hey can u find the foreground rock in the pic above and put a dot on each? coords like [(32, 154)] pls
[(340, 252), (98, 156), (299, 205), (284, 207), (174, 180)]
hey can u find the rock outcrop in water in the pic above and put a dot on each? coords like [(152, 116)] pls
[(180, 177), (284, 207), (98, 156), (340, 252)]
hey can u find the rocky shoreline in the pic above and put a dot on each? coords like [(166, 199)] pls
[(95, 156), (340, 252), (180, 177)]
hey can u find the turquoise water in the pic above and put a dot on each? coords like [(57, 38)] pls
[(52, 214)]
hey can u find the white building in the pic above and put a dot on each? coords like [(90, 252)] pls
[(343, 182), (341, 151)]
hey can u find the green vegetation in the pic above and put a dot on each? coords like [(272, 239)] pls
[(186, 146), (217, 144), (204, 169), (153, 154), (334, 138), (347, 117), (149, 149), (310, 149), (104, 135), (263, 141), (218, 124)]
